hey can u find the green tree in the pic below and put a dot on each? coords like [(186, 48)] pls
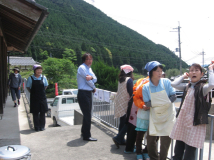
[(83, 47), (42, 55), (107, 76), (79, 55), (70, 55), (174, 72), (57, 69)]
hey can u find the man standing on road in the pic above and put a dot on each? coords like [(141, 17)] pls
[(86, 79)]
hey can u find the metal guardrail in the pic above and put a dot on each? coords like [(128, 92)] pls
[(26, 92), (211, 136), (104, 111)]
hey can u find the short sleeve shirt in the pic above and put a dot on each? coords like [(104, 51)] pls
[(163, 81), (29, 81)]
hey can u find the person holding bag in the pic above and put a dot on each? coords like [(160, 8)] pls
[(142, 118), (159, 96)]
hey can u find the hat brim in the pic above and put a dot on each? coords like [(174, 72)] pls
[(15, 69)]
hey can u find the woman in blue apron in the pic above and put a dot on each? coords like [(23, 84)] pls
[(159, 96), (36, 85)]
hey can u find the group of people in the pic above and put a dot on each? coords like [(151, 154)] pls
[(150, 110), (144, 108), (147, 108)]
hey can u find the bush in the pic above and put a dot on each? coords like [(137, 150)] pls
[(107, 76)]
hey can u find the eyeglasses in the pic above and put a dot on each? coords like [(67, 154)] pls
[(89, 59)]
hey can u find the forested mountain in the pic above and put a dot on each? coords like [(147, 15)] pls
[(79, 26)]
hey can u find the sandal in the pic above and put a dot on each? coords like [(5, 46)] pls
[(139, 157)]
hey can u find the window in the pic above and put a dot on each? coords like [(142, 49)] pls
[(75, 92), (64, 101), (55, 101), (70, 100), (67, 93), (75, 100)]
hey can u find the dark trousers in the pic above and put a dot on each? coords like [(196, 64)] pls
[(152, 146), (180, 146), (122, 130), (131, 137), (122, 123), (15, 93), (139, 140), (85, 103), (39, 120)]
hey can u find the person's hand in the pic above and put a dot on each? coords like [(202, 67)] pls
[(186, 75), (94, 90), (88, 78), (18, 88), (145, 108), (211, 67)]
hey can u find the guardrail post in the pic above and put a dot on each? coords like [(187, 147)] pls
[(211, 137), (196, 154), (172, 148), (201, 154)]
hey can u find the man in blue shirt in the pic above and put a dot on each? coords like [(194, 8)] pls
[(86, 79)]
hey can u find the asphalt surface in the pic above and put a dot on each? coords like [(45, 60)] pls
[(61, 143), (57, 143)]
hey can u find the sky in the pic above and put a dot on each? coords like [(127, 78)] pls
[(155, 19)]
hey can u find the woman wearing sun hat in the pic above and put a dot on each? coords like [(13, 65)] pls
[(14, 82), (36, 85), (159, 96)]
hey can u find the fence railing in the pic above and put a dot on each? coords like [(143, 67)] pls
[(26, 92), (103, 109)]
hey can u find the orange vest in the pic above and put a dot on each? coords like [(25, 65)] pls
[(138, 95)]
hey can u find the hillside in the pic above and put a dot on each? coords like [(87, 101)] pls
[(77, 25)]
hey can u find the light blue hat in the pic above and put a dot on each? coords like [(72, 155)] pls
[(150, 65)]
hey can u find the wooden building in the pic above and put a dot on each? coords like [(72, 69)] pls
[(20, 20), (23, 63)]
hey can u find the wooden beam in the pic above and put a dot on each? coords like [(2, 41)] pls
[(23, 8), (15, 37), (2, 33), (17, 18), (11, 48)]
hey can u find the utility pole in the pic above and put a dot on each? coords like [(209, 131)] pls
[(202, 53), (179, 45)]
